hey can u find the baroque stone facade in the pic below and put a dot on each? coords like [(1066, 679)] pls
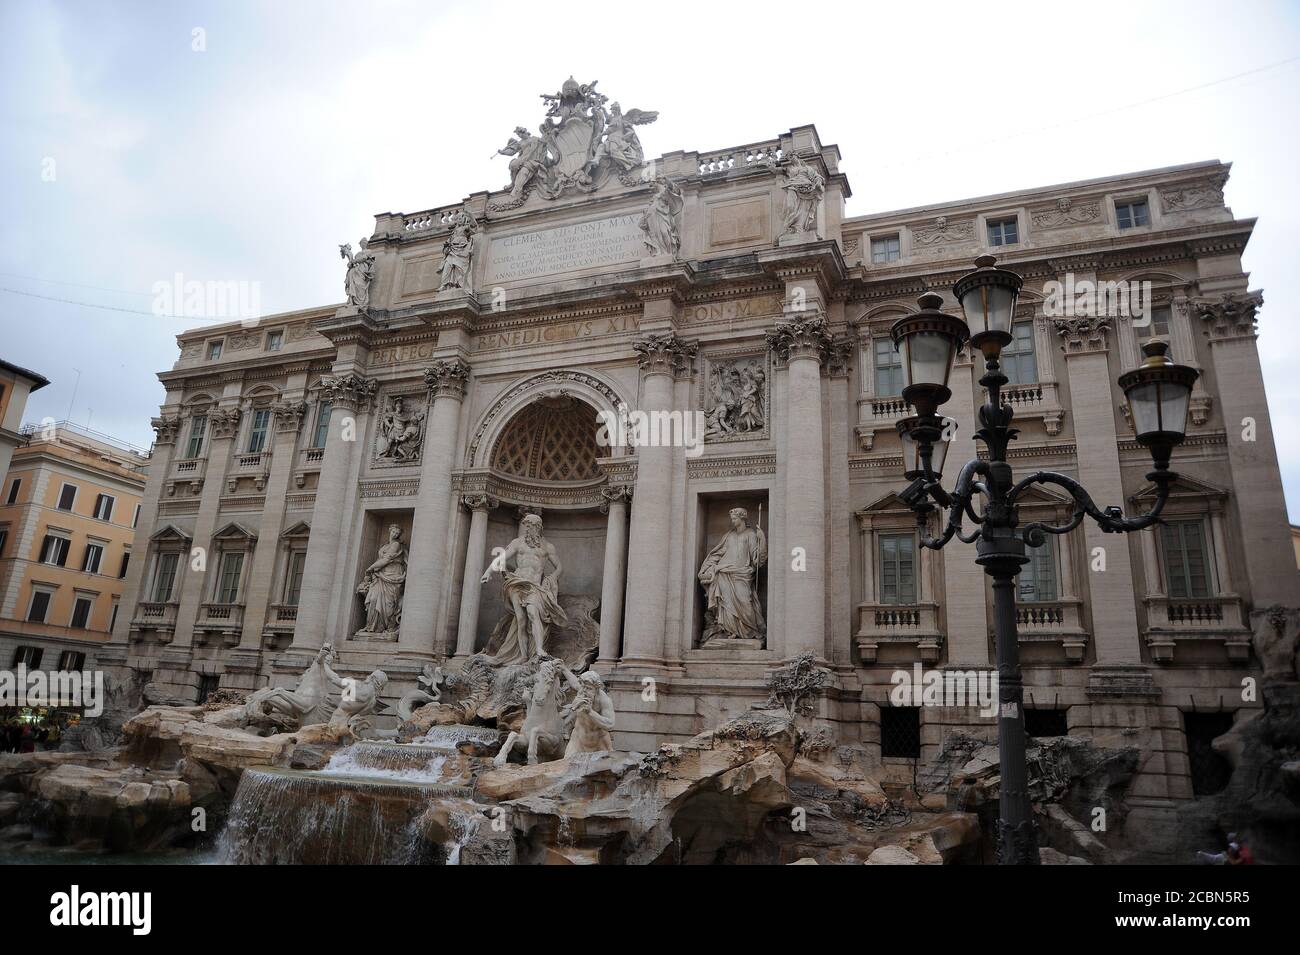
[(489, 348)]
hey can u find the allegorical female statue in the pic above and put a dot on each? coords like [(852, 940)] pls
[(382, 585), (457, 252), (729, 575), (804, 187), (659, 221), (361, 272)]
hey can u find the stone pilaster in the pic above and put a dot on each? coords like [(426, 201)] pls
[(480, 506), (802, 344), (350, 396), (427, 564), (614, 575), (659, 356)]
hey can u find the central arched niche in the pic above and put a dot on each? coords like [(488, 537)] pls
[(547, 446)]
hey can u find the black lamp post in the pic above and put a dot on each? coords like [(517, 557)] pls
[(1158, 392)]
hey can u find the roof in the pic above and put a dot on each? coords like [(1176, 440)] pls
[(38, 380)]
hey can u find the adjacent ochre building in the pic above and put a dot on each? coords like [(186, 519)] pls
[(460, 388), (68, 507)]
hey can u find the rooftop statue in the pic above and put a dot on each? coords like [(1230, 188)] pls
[(361, 272)]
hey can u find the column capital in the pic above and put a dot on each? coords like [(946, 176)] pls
[(447, 378), (839, 357), (351, 392), (801, 338), (289, 416), (614, 494), (166, 429), (1083, 335), (1231, 315), (224, 421), (664, 353), (480, 502)]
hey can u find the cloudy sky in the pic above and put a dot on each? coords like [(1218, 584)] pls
[(136, 148)]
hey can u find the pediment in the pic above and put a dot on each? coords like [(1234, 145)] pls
[(235, 531), (1184, 487), (170, 532)]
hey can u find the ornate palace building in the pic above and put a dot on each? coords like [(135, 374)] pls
[(344, 475)]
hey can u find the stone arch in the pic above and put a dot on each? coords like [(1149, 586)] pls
[(585, 386)]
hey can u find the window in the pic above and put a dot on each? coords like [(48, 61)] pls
[(293, 582), (1209, 770), (4, 539), (81, 612), (104, 507), (1045, 722), (322, 424), (1037, 580), (257, 432), (885, 249), (274, 340), (67, 497), (900, 732), (39, 607), (112, 619), (214, 351), (94, 555), (889, 368), (29, 657), (897, 569), (162, 588), (1129, 215), (1186, 569), (54, 550), (1161, 316), (126, 562), (135, 516), (13, 490), (1019, 363), (71, 660), (1003, 231), (209, 683), (198, 428), (228, 580)]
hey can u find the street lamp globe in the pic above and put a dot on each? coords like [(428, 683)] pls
[(988, 299), (928, 340), (1158, 393)]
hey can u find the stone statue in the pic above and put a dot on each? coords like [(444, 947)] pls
[(729, 575), (542, 733), (804, 188), (361, 272), (590, 717), (457, 252), (622, 146), (739, 395), (358, 701), (659, 221), (401, 433), (530, 591), (1275, 642), (278, 709), (428, 690), (382, 585), (529, 161)]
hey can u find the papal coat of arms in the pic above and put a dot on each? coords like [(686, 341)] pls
[(582, 143)]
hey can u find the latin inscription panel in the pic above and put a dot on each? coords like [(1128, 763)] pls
[(570, 248)]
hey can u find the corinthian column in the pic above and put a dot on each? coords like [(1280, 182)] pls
[(614, 576), (647, 576), (480, 505), (350, 396), (427, 566), (802, 344)]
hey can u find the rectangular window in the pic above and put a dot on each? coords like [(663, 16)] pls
[(1019, 363), (900, 732), (162, 589), (214, 351), (889, 368), (1129, 215), (198, 428), (897, 569), (81, 612), (274, 340), (1186, 567), (1161, 316), (1045, 722), (126, 562), (885, 249), (39, 607), (1003, 231), (13, 490), (54, 550), (1208, 768), (94, 555), (209, 683), (293, 585), (135, 517), (112, 619), (29, 657), (70, 661), (104, 507), (257, 432), (67, 497), (322, 424), (1037, 580), (4, 539), (228, 583)]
